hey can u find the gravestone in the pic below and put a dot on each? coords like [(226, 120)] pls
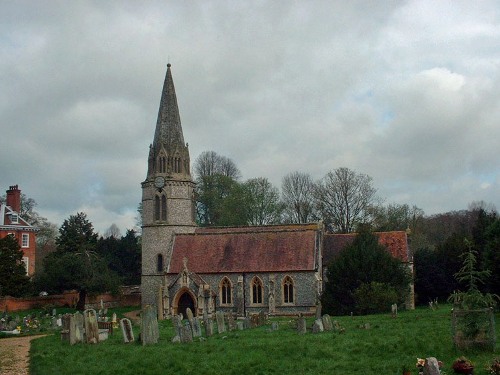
[(394, 310), (196, 327), (254, 320), (240, 324), (431, 366), (91, 328), (53, 322), (186, 333), (274, 326), (301, 325), (221, 325), (114, 321), (54, 312), (327, 322), (209, 327), (190, 316), (246, 323), (149, 326), (319, 307), (262, 318), (76, 334), (318, 326), (127, 332), (177, 323), (230, 322), (65, 332)]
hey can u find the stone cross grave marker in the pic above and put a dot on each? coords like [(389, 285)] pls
[(127, 332), (91, 327), (149, 326)]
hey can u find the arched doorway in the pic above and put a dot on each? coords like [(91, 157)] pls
[(185, 301)]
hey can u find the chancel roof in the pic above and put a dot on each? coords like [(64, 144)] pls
[(247, 249), (396, 243)]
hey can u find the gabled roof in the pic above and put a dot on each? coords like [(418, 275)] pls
[(396, 243), (246, 249), (6, 213)]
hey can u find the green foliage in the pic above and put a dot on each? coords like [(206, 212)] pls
[(363, 262), (76, 234), (374, 297), (13, 279)]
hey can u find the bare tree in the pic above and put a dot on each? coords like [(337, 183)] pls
[(209, 163), (113, 231), (297, 195), (263, 201), (344, 197)]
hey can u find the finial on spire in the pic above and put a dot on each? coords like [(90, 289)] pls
[(169, 65)]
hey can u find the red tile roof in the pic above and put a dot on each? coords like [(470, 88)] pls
[(396, 243), (246, 249)]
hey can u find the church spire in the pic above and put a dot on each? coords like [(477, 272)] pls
[(169, 155), (168, 131)]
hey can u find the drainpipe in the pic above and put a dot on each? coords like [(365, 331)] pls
[(244, 297)]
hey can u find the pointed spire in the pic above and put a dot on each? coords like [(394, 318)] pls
[(168, 126)]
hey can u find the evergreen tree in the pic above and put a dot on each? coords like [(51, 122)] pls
[(13, 279), (360, 264)]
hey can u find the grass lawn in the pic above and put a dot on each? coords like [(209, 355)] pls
[(382, 350)]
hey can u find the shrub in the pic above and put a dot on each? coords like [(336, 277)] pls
[(374, 297)]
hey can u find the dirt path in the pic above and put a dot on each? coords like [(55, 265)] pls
[(14, 355)]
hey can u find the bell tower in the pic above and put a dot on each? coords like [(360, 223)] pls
[(167, 193)]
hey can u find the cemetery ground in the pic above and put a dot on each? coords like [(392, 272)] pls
[(374, 344)]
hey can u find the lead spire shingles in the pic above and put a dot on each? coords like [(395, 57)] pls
[(168, 131)]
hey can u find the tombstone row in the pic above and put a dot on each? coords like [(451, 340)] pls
[(321, 324)]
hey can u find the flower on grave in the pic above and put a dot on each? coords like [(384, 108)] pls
[(420, 362), (19, 328)]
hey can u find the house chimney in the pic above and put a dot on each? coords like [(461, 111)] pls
[(14, 198)]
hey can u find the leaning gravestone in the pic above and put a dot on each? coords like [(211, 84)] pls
[(221, 325), (318, 326), (127, 332), (301, 325), (431, 366), (190, 316), (327, 322), (91, 327), (230, 322), (149, 326), (209, 327), (196, 327), (186, 333)]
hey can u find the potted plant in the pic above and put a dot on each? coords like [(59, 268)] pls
[(463, 366), (406, 370)]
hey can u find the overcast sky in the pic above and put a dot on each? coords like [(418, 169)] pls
[(406, 92)]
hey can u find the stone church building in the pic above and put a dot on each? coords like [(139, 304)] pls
[(275, 268)]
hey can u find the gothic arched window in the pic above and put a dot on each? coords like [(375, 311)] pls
[(256, 290), (163, 208), (159, 263), (288, 290), (157, 208), (225, 291)]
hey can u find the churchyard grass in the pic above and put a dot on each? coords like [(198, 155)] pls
[(375, 344)]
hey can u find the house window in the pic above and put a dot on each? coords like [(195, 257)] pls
[(25, 241), (25, 260), (157, 208), (225, 291), (14, 218), (163, 208), (288, 290), (257, 291), (159, 263)]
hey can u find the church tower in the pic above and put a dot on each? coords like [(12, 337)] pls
[(167, 193)]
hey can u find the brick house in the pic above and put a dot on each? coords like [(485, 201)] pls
[(11, 223), (276, 268)]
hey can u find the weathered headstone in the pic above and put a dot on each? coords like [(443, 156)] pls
[(221, 325), (76, 329), (254, 320), (262, 318), (149, 326), (177, 323), (274, 326), (431, 366), (128, 333), (186, 333), (91, 328), (65, 331), (209, 327), (246, 323), (190, 316), (319, 307), (394, 310), (196, 327), (301, 325), (114, 321), (327, 322), (318, 326), (240, 324), (230, 322)]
